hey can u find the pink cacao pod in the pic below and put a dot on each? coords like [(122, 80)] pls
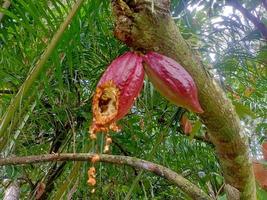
[(172, 81), (116, 91), (260, 173)]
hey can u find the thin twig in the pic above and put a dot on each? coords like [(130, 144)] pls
[(6, 91), (257, 23), (186, 186)]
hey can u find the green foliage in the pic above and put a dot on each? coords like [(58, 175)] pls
[(261, 194), (56, 114)]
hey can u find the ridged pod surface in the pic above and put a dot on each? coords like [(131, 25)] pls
[(116, 91), (172, 81)]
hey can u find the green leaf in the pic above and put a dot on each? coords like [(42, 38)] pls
[(261, 193), (243, 111), (223, 197), (195, 130)]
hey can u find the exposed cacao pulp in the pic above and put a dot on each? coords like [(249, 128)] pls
[(123, 80), (116, 91)]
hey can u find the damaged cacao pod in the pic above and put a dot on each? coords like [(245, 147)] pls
[(172, 81), (116, 91)]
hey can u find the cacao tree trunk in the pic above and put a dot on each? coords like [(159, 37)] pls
[(146, 25), (12, 191)]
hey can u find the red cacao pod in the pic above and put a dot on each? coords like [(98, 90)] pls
[(172, 81), (264, 149), (116, 91)]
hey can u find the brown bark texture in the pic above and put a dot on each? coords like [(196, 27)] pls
[(146, 25)]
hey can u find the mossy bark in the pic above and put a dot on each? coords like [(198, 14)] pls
[(148, 26)]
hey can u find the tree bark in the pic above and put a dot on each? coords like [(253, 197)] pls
[(12, 191), (186, 186), (146, 25)]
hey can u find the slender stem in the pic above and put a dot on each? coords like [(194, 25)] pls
[(33, 75), (6, 92), (159, 140), (186, 186)]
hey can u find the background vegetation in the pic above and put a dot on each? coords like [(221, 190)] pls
[(55, 115)]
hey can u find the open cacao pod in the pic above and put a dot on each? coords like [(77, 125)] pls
[(116, 91)]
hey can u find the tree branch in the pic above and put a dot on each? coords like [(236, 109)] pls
[(257, 23), (186, 186)]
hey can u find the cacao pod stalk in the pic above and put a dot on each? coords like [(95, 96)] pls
[(186, 124), (116, 91), (172, 81)]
